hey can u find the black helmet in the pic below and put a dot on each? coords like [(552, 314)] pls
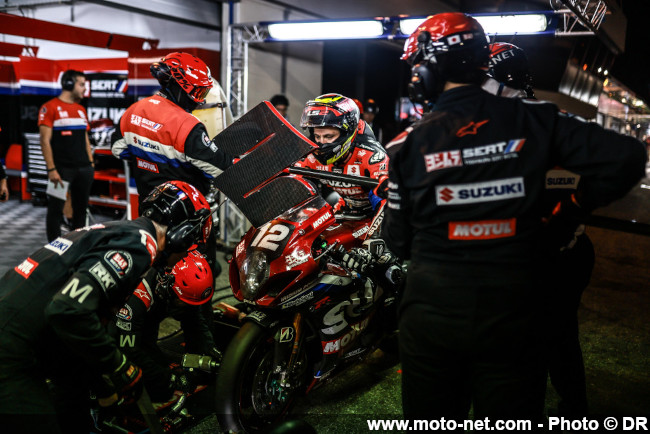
[(445, 47), (509, 65), (183, 209), (332, 110)]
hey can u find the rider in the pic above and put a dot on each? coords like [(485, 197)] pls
[(347, 145), (160, 134), (177, 292), (54, 304)]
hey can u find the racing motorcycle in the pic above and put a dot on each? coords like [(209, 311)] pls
[(309, 318)]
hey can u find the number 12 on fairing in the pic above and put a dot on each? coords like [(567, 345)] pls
[(269, 240)]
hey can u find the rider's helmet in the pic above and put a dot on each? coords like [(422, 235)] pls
[(332, 110), (509, 65), (183, 209), (445, 47), (193, 281), (184, 77)]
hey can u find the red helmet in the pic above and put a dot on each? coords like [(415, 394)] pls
[(445, 47), (336, 111), (183, 209), (189, 72), (509, 65), (193, 281)]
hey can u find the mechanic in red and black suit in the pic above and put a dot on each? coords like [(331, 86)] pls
[(346, 145), (54, 305), (63, 126), (177, 292), (162, 138), (465, 205)]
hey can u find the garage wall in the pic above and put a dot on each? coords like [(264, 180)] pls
[(113, 20)]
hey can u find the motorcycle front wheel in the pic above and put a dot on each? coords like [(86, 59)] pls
[(248, 395)]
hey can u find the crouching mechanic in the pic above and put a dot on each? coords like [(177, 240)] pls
[(347, 145), (53, 344), (178, 292)]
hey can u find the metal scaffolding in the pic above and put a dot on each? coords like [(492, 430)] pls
[(579, 17)]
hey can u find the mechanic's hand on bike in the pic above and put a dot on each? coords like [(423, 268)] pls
[(125, 380)]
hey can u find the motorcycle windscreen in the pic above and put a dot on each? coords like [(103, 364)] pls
[(268, 144)]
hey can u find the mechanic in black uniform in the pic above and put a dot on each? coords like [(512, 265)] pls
[(465, 206), (572, 254), (53, 306), (177, 292)]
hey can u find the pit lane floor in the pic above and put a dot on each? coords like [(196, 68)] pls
[(613, 316)]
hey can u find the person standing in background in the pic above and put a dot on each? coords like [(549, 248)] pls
[(63, 126), (281, 104), (4, 191)]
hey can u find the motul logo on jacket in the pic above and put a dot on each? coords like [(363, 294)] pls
[(147, 165), (321, 219), (482, 229), (460, 194), (26, 268), (442, 160)]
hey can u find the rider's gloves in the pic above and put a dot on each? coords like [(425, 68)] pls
[(357, 260), (125, 381), (382, 187)]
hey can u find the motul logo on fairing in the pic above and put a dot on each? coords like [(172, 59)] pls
[(337, 345), (482, 229), (321, 219)]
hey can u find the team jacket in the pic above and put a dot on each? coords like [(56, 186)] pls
[(466, 182), (54, 303), (69, 124), (366, 158), (167, 143), (135, 328)]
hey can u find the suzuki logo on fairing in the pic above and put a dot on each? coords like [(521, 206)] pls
[(321, 219)]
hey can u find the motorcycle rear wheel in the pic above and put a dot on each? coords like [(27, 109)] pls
[(246, 398)]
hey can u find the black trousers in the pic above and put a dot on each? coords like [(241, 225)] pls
[(470, 335), (571, 272), (80, 179)]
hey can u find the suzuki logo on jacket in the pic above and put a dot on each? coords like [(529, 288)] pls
[(460, 194)]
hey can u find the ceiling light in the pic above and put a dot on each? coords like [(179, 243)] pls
[(493, 24), (293, 31)]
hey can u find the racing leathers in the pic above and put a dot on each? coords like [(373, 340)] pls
[(366, 158), (464, 204), (135, 328), (164, 143), (52, 309)]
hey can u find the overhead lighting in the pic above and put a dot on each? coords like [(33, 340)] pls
[(291, 31), (493, 24)]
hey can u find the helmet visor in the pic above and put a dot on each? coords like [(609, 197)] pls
[(320, 116), (199, 93)]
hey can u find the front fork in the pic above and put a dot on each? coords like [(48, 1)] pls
[(288, 342)]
